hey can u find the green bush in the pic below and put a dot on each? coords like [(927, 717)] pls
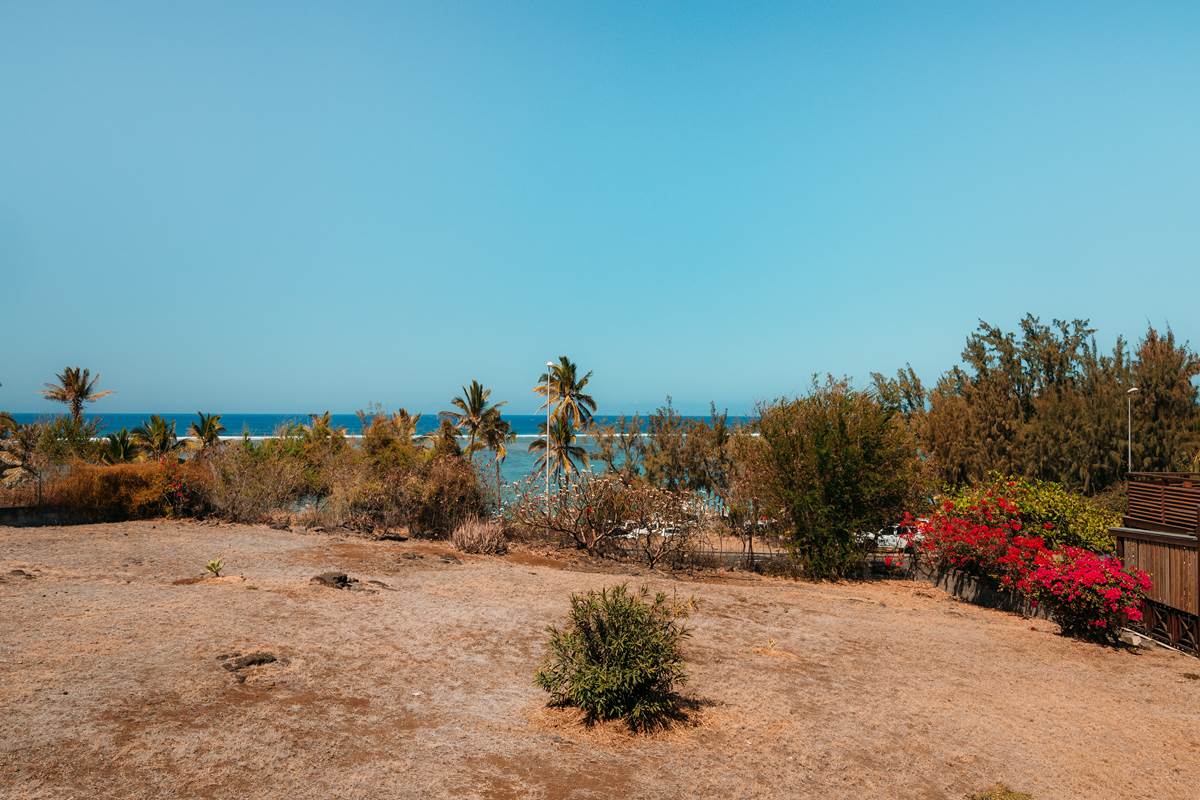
[(832, 464), (618, 657), (1075, 520)]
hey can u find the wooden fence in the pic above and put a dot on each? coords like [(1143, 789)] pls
[(1159, 536)]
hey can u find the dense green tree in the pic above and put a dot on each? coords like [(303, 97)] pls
[(835, 463), (1164, 410), (1045, 403)]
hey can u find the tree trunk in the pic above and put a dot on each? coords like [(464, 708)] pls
[(499, 501)]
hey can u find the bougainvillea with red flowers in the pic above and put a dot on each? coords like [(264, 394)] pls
[(1087, 594)]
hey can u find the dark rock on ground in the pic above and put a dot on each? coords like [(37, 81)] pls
[(237, 663), (335, 580), (340, 580)]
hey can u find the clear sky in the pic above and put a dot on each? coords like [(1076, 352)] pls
[(292, 207)]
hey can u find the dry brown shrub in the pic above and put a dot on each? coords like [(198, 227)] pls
[(117, 492), (247, 484), (485, 537)]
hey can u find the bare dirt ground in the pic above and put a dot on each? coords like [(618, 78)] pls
[(115, 682)]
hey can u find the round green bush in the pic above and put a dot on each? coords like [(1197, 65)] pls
[(618, 657)]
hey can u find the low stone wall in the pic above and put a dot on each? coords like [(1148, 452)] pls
[(980, 591), (32, 516)]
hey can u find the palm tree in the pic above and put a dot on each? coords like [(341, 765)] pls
[(564, 455), (472, 412), (566, 393), (495, 435), (320, 428), (406, 424), (157, 436), (74, 388), (118, 448), (445, 440), (207, 430)]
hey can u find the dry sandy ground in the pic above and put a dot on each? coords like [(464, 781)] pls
[(111, 686)]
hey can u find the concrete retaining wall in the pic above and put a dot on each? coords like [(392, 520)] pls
[(980, 591), (32, 516)]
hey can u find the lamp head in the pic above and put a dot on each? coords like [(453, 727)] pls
[(1132, 390)]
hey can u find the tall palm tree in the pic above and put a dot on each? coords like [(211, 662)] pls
[(566, 393), (473, 408), (495, 436), (157, 436), (118, 448), (206, 430), (562, 455), (74, 388)]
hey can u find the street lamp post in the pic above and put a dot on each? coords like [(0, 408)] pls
[(546, 452), (1129, 393)]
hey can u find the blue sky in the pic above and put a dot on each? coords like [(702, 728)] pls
[(290, 207)]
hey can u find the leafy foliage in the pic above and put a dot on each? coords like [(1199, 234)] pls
[(207, 430), (1090, 595), (119, 448), (618, 657), (215, 566), (117, 492), (156, 436), (1045, 403), (472, 414), (565, 458), (563, 389), (834, 463), (1061, 517)]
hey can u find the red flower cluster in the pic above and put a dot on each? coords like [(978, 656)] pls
[(1087, 594)]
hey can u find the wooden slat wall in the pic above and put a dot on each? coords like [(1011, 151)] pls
[(1163, 501), (1172, 566)]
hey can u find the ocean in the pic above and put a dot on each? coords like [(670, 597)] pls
[(517, 466)]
